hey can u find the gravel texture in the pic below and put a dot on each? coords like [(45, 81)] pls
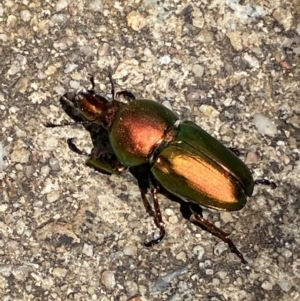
[(70, 233)]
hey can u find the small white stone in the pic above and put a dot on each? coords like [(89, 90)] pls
[(164, 60), (198, 70), (61, 4), (285, 285), (25, 15), (96, 5), (199, 251), (87, 250), (70, 67), (266, 285), (220, 248), (264, 125)]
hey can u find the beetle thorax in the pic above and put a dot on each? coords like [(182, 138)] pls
[(137, 131)]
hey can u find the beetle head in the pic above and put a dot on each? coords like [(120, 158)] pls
[(91, 105)]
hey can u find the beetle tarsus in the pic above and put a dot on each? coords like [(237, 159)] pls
[(126, 94), (198, 220), (157, 217), (265, 182), (235, 151), (75, 149)]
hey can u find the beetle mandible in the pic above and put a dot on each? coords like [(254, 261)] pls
[(151, 141)]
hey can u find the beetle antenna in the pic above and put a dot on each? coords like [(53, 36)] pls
[(65, 123), (112, 85), (92, 80)]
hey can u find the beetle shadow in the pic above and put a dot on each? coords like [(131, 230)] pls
[(141, 173)]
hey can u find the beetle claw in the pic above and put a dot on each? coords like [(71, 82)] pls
[(156, 241), (75, 149), (198, 220), (265, 182)]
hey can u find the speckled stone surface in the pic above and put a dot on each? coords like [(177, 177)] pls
[(70, 233)]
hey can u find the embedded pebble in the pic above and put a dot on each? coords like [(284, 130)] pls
[(251, 158), (286, 253), (130, 250), (53, 196), (20, 155), (59, 272), (108, 279), (163, 282), (235, 40), (264, 125), (226, 217), (266, 285), (173, 219), (25, 15), (87, 250), (252, 61), (284, 17), (96, 5), (199, 251), (209, 111), (164, 60), (132, 289), (285, 285), (198, 19), (205, 36), (20, 272), (74, 84), (54, 164), (5, 270), (3, 37), (181, 256), (220, 248), (70, 67), (136, 21), (61, 4), (198, 70), (22, 84)]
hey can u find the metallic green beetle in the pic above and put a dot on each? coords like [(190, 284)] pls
[(178, 155)]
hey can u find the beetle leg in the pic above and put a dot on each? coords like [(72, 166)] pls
[(198, 220), (75, 149), (235, 151), (126, 94), (158, 220), (265, 182), (98, 162)]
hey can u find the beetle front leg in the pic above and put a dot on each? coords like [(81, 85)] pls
[(98, 161), (198, 220), (126, 94)]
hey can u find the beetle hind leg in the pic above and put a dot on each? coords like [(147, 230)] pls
[(197, 219)]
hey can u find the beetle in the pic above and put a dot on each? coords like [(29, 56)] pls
[(161, 150)]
